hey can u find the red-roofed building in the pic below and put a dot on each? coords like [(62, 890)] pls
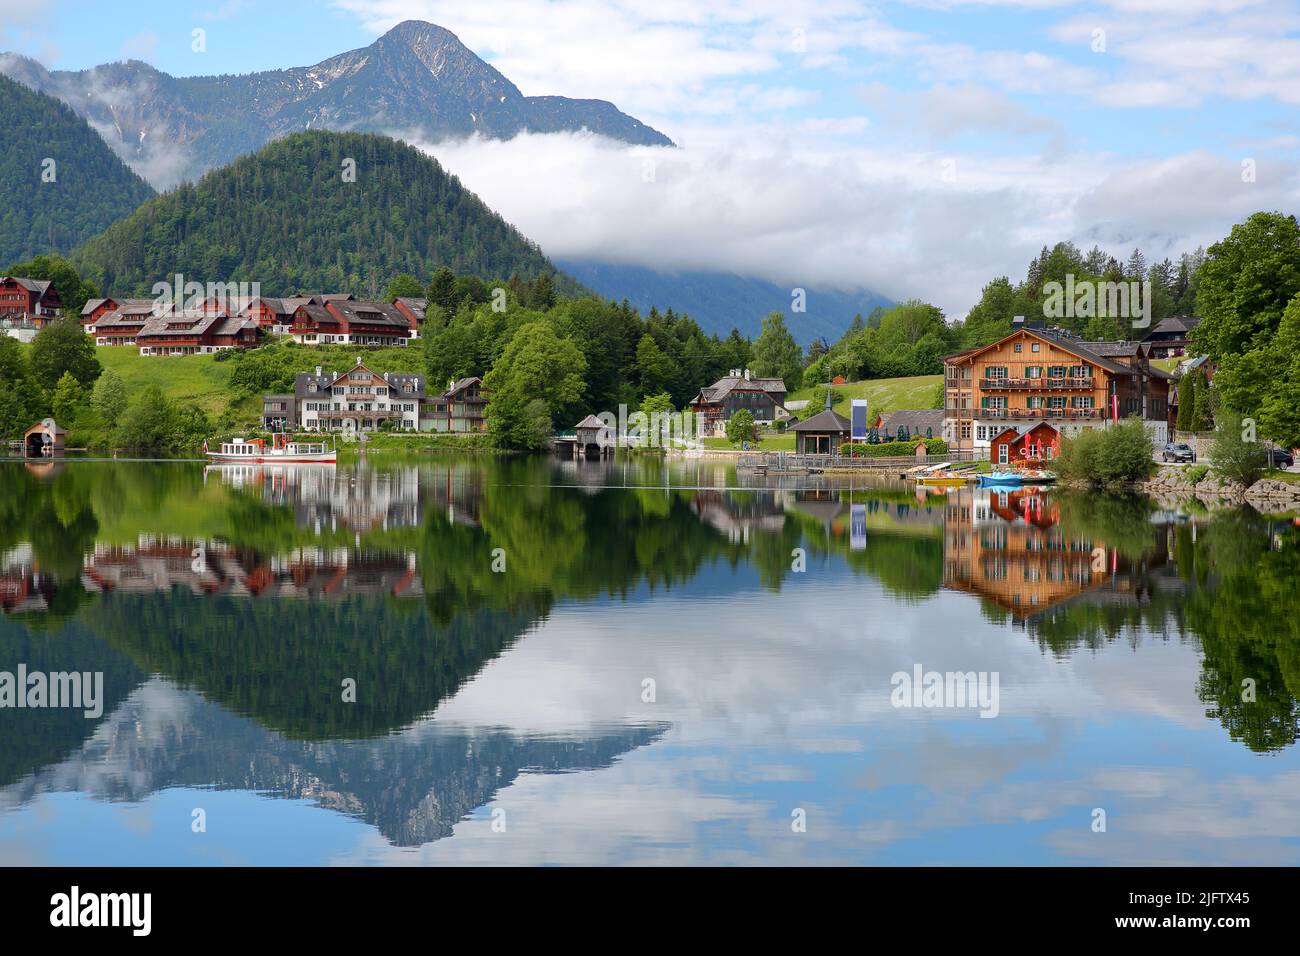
[(31, 302), (349, 322)]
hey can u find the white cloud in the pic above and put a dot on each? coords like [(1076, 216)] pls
[(1174, 54), (943, 112), (801, 210), (766, 186)]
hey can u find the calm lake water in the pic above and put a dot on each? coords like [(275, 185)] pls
[(632, 663)]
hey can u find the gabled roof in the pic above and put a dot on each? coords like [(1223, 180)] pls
[(233, 324), (327, 380), (369, 313), (1073, 346), (277, 305), (318, 314), (1175, 325), (231, 304), (917, 420), (1024, 428), (31, 285), (460, 385), (132, 313), (182, 324), (827, 421), (591, 421), (337, 377), (320, 298), (1125, 349), (730, 383), (93, 304)]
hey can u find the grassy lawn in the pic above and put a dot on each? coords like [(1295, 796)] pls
[(1169, 364), (769, 443), (882, 394), (202, 380), (199, 379)]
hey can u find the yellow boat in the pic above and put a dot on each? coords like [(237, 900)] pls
[(943, 481)]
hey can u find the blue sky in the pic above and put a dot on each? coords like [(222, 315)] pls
[(918, 148)]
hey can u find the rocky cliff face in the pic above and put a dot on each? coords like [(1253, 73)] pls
[(417, 80)]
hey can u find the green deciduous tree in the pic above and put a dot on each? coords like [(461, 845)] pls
[(1264, 383), (63, 346), (658, 404), (1102, 456), (69, 401), (148, 423), (741, 427), (537, 366), (109, 398), (1235, 454), (1246, 282)]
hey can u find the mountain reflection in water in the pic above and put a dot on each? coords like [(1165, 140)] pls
[(227, 607)]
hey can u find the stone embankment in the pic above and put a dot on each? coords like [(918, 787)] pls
[(1267, 494)]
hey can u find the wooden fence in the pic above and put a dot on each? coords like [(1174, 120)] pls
[(787, 461)]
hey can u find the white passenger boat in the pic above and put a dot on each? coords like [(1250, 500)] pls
[(282, 449)]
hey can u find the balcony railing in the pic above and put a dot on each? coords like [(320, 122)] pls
[(347, 413), (1048, 383), (1040, 413)]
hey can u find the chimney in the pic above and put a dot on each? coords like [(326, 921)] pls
[(318, 371), (451, 383), (746, 375)]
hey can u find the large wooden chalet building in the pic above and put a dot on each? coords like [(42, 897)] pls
[(28, 302), (1017, 397), (764, 398), (309, 318), (161, 330), (340, 321), (362, 400)]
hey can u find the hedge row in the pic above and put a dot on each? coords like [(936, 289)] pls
[(894, 449)]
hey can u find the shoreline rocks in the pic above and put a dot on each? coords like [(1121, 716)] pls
[(1267, 494)]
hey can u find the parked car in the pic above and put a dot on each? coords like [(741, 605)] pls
[(1178, 451), (1282, 458)]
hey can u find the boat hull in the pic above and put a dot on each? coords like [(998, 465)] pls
[(329, 458), (1012, 478)]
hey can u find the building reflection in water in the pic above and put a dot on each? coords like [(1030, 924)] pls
[(24, 588), (326, 497), (213, 568), (1010, 547)]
